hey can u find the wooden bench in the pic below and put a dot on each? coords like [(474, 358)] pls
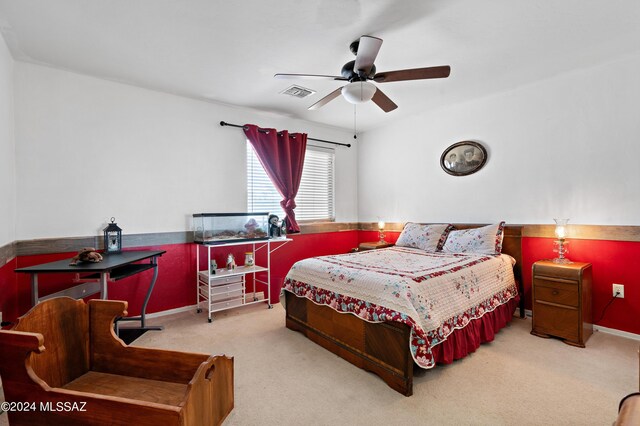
[(64, 360)]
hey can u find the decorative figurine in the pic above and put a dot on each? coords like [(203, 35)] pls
[(248, 259), (283, 227), (275, 231), (251, 226), (231, 262), (214, 266), (87, 254)]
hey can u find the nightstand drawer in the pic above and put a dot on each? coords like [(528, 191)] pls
[(567, 271), (556, 292), (556, 321)]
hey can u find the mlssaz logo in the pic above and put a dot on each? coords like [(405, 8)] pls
[(63, 406)]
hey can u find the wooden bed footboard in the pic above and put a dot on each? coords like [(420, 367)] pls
[(382, 348)]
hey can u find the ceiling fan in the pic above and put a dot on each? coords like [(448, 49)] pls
[(358, 72)]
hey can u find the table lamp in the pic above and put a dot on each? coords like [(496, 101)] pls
[(381, 232), (560, 242)]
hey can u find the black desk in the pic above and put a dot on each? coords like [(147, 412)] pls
[(96, 277)]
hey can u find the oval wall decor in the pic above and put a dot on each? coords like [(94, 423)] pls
[(463, 158)]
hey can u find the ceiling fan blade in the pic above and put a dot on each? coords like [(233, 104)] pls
[(322, 102), (413, 74), (368, 48), (383, 101), (329, 77)]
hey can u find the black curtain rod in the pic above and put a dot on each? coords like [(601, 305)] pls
[(348, 145)]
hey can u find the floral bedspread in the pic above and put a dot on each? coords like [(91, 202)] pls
[(433, 293)]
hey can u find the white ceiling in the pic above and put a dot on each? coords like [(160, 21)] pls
[(226, 51)]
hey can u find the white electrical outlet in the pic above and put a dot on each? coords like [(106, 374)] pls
[(618, 288)]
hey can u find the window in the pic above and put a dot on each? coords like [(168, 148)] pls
[(315, 195)]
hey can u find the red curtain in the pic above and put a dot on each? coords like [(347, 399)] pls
[(282, 156)]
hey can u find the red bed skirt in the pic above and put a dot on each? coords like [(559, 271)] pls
[(466, 340)]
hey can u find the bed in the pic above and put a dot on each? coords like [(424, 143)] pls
[(388, 310)]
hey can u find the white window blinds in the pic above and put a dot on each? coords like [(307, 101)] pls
[(315, 199)]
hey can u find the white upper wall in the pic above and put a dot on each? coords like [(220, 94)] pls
[(7, 149), (88, 149), (563, 147)]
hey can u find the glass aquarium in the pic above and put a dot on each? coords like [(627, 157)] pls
[(220, 228)]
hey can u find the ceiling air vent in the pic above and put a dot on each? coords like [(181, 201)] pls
[(298, 91)]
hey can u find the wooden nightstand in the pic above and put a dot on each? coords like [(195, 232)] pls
[(373, 245), (562, 301)]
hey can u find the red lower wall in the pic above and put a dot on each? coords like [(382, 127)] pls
[(175, 286), (8, 291), (613, 262), (177, 270)]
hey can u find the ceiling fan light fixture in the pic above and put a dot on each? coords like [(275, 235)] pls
[(358, 92)]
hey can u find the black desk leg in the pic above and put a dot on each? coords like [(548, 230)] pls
[(142, 316), (148, 296), (34, 289), (104, 280)]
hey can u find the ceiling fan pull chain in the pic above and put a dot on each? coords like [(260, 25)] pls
[(354, 122)]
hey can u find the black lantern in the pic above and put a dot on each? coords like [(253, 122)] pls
[(112, 237)]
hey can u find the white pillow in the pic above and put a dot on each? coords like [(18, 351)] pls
[(484, 240), (425, 237)]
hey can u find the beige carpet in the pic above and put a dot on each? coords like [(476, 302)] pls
[(284, 379), (281, 378)]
